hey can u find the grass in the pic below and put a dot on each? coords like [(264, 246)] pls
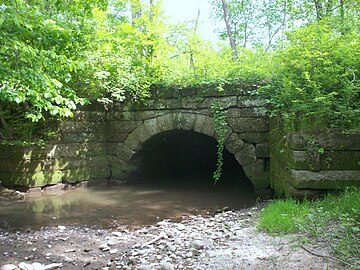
[(334, 219)]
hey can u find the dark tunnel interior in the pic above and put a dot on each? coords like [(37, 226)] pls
[(185, 157)]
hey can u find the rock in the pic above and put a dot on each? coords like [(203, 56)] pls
[(9, 267), (25, 266), (70, 250), (181, 227), (104, 247), (113, 251), (198, 244), (117, 234), (53, 266), (37, 266), (143, 267), (189, 254), (167, 266), (61, 228), (171, 248)]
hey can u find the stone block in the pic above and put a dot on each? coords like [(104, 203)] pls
[(116, 137), (246, 155), (76, 175), (234, 143), (246, 112), (21, 165), (119, 170), (340, 160), (81, 126), (4, 152), (254, 137), (293, 192), (184, 121), (100, 172), (144, 115), (132, 142), (141, 133), (208, 127), (166, 122), (262, 150), (83, 137), (121, 150), (152, 126), (70, 150), (122, 126), (73, 163), (173, 103), (123, 116), (199, 122), (248, 124), (337, 140), (194, 103), (299, 160), (324, 179), (279, 176), (259, 174), (35, 179), (251, 101)]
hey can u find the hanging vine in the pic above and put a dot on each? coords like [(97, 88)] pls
[(220, 130)]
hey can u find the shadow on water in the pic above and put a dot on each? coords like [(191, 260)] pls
[(174, 180)]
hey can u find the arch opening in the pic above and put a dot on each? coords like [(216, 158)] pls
[(182, 157)]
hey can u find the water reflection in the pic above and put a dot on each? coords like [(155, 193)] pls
[(134, 205)]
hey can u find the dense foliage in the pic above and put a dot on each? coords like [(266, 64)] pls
[(316, 76), (57, 55)]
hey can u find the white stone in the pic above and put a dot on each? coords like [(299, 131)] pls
[(61, 228), (113, 251), (37, 266), (189, 254), (53, 266), (9, 267), (25, 266), (181, 227), (167, 266)]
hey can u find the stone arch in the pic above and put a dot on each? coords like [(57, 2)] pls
[(244, 152)]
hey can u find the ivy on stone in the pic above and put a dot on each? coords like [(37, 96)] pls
[(218, 113)]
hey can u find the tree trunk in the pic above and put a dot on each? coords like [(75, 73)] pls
[(229, 32), (136, 11)]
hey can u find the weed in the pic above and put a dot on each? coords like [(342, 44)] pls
[(335, 220)]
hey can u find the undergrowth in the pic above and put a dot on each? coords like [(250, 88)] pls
[(334, 220)]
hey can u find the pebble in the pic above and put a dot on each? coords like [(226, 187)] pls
[(9, 267), (167, 266), (164, 246)]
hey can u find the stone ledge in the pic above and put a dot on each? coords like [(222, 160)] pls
[(324, 179)]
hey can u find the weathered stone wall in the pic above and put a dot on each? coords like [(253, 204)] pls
[(78, 154), (99, 143), (308, 163)]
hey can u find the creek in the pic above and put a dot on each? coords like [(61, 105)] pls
[(127, 205)]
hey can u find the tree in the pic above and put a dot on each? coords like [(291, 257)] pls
[(229, 31), (56, 55)]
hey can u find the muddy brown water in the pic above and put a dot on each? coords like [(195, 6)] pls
[(128, 205)]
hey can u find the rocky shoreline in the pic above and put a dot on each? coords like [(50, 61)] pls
[(227, 240)]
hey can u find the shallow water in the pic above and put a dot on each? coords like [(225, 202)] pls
[(130, 205)]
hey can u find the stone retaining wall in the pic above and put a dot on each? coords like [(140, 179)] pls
[(308, 163)]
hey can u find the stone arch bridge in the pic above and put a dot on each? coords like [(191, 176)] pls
[(99, 143)]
